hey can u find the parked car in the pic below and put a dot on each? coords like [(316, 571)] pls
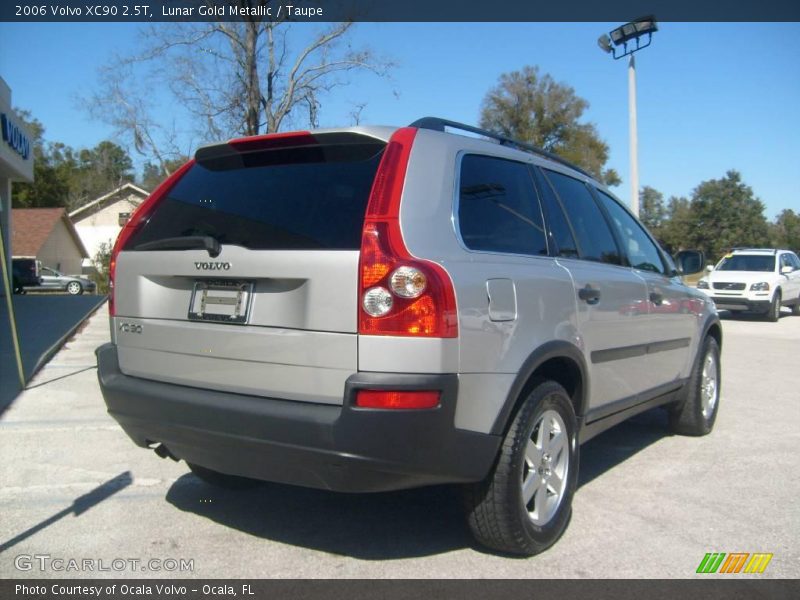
[(373, 308), (75, 285), (761, 280), (24, 273)]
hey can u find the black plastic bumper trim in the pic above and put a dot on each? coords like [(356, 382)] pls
[(341, 448), (727, 303)]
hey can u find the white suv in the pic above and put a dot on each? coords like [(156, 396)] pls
[(758, 280)]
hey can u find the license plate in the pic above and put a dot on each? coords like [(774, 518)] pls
[(221, 301)]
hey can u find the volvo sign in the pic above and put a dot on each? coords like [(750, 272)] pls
[(14, 137)]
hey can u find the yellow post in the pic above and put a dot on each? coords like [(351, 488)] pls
[(11, 318)]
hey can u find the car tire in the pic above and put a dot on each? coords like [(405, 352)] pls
[(16, 286), (74, 288), (525, 503), (775, 308), (222, 480), (796, 308), (696, 414)]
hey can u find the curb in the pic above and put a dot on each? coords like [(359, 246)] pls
[(48, 354)]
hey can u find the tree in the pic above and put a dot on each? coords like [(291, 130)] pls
[(233, 78), (153, 174), (652, 211), (536, 109), (725, 214), (67, 177), (674, 231), (102, 262), (785, 232), (98, 171), (50, 187)]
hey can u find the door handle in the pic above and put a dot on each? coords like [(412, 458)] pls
[(656, 298), (589, 295)]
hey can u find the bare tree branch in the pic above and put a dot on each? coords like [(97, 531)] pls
[(228, 78)]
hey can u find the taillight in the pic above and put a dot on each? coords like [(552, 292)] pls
[(398, 293), (139, 217), (397, 399)]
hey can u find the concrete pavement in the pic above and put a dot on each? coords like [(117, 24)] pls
[(649, 504)]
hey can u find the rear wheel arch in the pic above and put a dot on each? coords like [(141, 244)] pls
[(557, 361)]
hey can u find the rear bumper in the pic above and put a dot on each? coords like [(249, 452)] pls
[(728, 303), (339, 448)]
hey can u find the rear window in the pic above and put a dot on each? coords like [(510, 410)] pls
[(747, 262), (307, 198)]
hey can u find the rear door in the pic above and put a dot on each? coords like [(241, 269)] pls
[(245, 277), (611, 299), (672, 309)]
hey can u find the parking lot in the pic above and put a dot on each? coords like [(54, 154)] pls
[(649, 504), (44, 321)]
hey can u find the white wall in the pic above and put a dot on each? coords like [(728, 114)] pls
[(103, 226), (60, 251)]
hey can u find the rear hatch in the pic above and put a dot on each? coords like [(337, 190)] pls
[(244, 278)]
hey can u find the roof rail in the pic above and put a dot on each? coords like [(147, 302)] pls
[(438, 124)]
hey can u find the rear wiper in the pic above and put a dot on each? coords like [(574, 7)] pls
[(192, 242)]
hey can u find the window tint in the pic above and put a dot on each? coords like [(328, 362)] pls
[(795, 262), (642, 252), (747, 262), (306, 198), (498, 210), (594, 237), (559, 230)]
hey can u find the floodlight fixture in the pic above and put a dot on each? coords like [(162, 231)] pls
[(635, 31), (625, 40)]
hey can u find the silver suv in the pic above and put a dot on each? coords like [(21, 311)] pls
[(370, 309)]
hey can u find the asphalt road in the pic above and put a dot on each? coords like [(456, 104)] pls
[(42, 321), (649, 504)]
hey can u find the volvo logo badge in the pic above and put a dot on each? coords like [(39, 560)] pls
[(212, 266)]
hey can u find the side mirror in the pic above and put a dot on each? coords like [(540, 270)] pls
[(690, 262), (710, 268), (786, 270)]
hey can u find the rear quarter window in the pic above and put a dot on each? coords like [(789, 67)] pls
[(498, 209)]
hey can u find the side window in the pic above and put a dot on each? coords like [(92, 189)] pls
[(794, 261), (642, 252), (559, 229), (498, 210), (594, 237)]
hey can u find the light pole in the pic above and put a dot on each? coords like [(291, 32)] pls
[(633, 31)]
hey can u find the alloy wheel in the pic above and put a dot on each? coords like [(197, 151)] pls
[(709, 388), (546, 468)]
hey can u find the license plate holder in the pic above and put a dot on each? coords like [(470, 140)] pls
[(221, 301)]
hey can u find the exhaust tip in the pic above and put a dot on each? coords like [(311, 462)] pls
[(163, 452)]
